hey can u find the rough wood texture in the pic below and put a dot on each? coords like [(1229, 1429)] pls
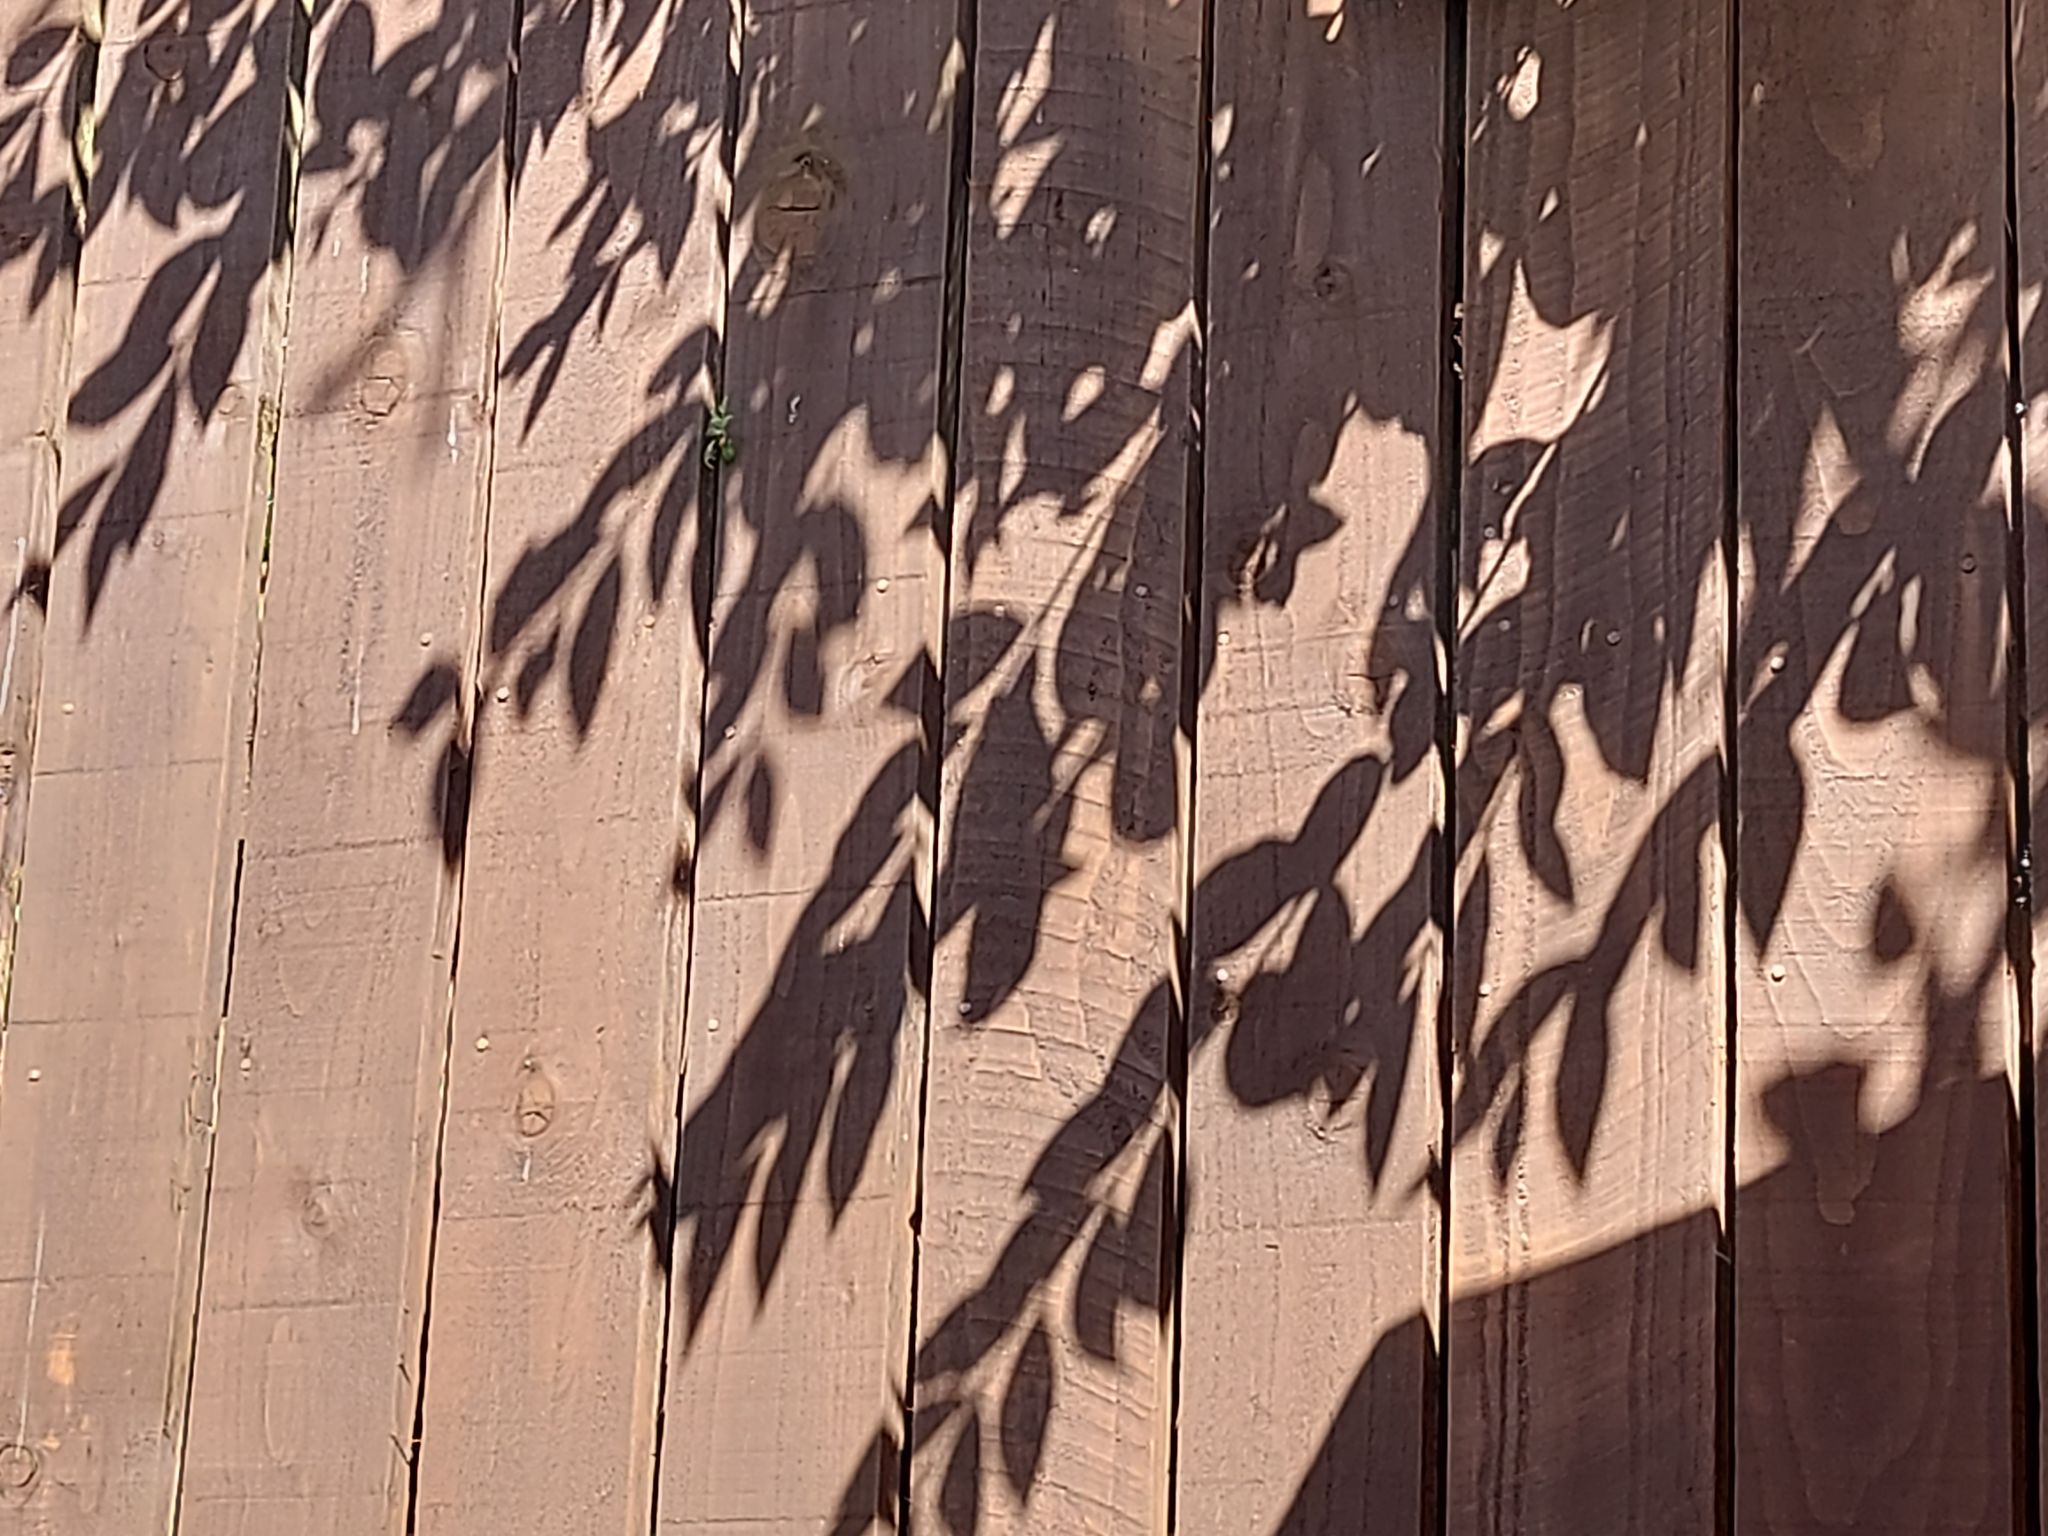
[(316, 1248), (1873, 1326), (1589, 999), (46, 69), (2030, 514), (798, 1166), (548, 1298), (1313, 1106), (1048, 1221), (625, 779), (126, 906)]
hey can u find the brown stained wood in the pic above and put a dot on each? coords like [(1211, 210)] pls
[(1313, 1111), (46, 60), (548, 1296), (1043, 1384), (115, 1011), (797, 1174), (2030, 515), (315, 1275), (1873, 1282), (48, 63), (1589, 1068)]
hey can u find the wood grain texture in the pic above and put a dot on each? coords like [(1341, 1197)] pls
[(49, 65), (548, 1300), (116, 1004), (1043, 1377), (2029, 43), (1313, 1240), (797, 1173), (1875, 1039), (307, 1373), (1589, 1040)]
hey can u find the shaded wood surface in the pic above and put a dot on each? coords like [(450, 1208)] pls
[(40, 101), (797, 1174), (116, 1002), (1313, 1116), (1051, 1156), (1875, 1002), (308, 1366), (1591, 644), (977, 765), (548, 1318)]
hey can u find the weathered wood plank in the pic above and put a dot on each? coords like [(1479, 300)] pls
[(307, 1374), (1043, 1388), (797, 1172), (48, 72), (116, 1005), (548, 1301), (1875, 1040), (1589, 996), (1313, 1239)]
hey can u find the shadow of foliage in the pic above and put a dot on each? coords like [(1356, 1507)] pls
[(1855, 608)]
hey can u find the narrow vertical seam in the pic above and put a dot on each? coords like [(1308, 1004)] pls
[(2023, 1225), (294, 44), (932, 706), (1173, 1221), (710, 495), (1450, 462), (1731, 800), (461, 766)]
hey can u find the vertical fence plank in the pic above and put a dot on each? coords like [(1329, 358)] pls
[(1587, 1111), (1313, 1106), (116, 1005), (49, 62), (548, 1303), (309, 1327), (797, 1174), (1043, 1374), (1873, 1288)]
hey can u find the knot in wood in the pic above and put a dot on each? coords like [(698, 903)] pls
[(164, 56), (19, 1467), (384, 379), (798, 203), (1331, 281), (316, 1212), (536, 1109)]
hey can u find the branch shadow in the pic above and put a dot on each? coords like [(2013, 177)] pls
[(1854, 607)]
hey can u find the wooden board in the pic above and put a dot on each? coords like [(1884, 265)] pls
[(797, 1172), (116, 1005), (47, 69), (548, 1303), (2030, 514), (1312, 1241), (1875, 1039), (1589, 988), (1043, 1388), (307, 1374)]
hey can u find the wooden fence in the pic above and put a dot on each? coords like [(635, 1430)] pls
[(1244, 767)]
